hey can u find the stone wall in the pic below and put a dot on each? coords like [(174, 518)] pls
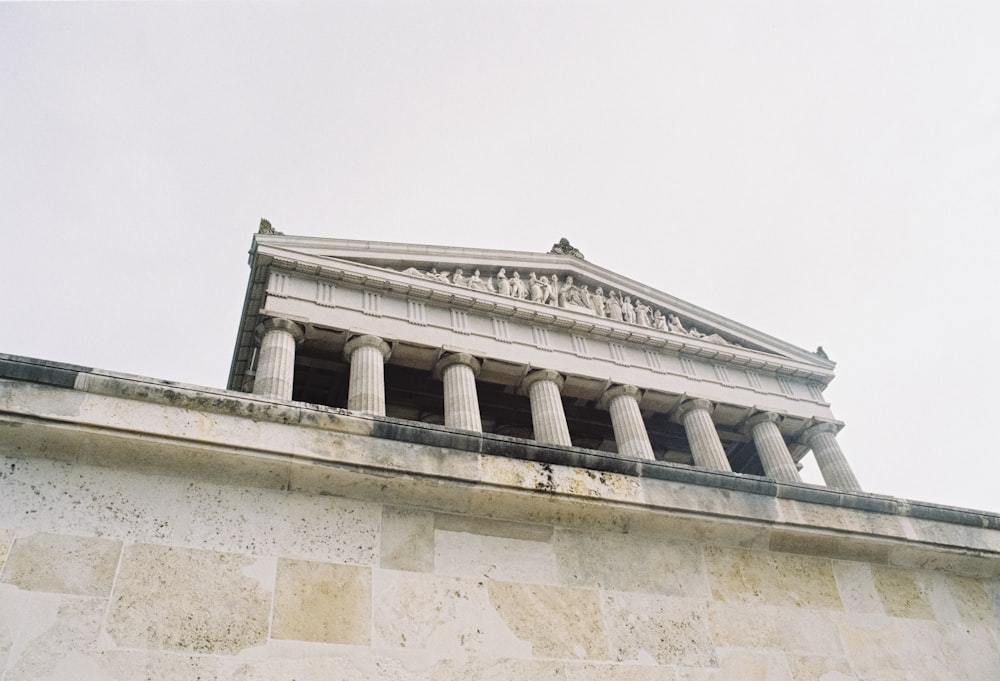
[(130, 553)]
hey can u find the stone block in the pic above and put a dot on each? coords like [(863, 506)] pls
[(484, 556), (48, 636), (169, 598), (613, 671), (742, 576), (322, 602), (819, 668), (743, 665), (497, 669), (904, 593), (626, 562), (6, 540), (882, 647), (559, 622), (857, 587), (975, 603), (444, 616), (84, 566), (791, 629), (658, 630), (407, 540)]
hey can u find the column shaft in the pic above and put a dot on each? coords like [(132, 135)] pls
[(366, 391), (703, 438), (461, 399), (547, 413), (771, 448), (276, 359), (626, 420), (830, 458)]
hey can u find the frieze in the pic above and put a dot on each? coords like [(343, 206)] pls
[(566, 294)]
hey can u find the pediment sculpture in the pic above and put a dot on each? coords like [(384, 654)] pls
[(566, 294)]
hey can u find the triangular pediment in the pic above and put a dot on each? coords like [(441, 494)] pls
[(559, 287)]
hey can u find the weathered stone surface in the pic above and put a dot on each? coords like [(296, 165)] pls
[(792, 629), (819, 668), (856, 587), (485, 556), (882, 647), (771, 578), (407, 540), (623, 562), (47, 636), (497, 669), (168, 598), (84, 566), (743, 665), (6, 540), (294, 661), (322, 602), (273, 522), (653, 629), (446, 616), (904, 593), (612, 671), (557, 621)]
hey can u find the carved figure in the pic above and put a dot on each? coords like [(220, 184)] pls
[(414, 272), (583, 296), (553, 293), (659, 321), (642, 313), (615, 307), (628, 310), (535, 288), (564, 248), (458, 279), (503, 283), (517, 288), (475, 282), (597, 302), (675, 324)]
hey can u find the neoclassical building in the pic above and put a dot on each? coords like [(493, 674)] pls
[(444, 464), (546, 347)]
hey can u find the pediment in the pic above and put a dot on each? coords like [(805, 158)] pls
[(559, 288)]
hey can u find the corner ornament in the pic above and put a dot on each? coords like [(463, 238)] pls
[(564, 248)]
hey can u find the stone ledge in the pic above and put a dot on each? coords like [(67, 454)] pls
[(120, 421)]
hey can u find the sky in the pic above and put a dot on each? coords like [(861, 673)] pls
[(827, 172)]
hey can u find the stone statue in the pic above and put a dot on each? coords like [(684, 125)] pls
[(564, 248), (458, 279), (615, 307), (503, 283), (675, 324), (628, 310), (475, 282), (659, 321), (597, 302), (266, 228), (535, 290), (553, 293), (517, 287), (642, 313)]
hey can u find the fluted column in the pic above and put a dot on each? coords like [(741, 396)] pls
[(366, 391), (626, 420), (703, 438), (461, 400), (276, 360), (837, 473), (547, 413), (771, 447)]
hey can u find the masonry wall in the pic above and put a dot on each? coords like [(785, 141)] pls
[(128, 556)]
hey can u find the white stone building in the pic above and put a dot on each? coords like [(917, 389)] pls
[(444, 463)]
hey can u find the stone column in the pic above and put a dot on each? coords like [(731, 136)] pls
[(626, 420), (547, 414), (276, 361), (837, 473), (366, 390), (771, 447), (703, 438), (461, 401)]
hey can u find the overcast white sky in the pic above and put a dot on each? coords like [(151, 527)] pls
[(827, 172)]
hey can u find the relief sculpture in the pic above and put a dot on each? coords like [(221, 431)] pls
[(567, 294)]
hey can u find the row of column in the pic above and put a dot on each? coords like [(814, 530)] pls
[(458, 371)]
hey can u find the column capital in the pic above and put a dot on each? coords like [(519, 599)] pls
[(760, 417), (277, 323), (367, 342), (616, 391), (824, 427), (691, 405), (457, 358), (541, 375)]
